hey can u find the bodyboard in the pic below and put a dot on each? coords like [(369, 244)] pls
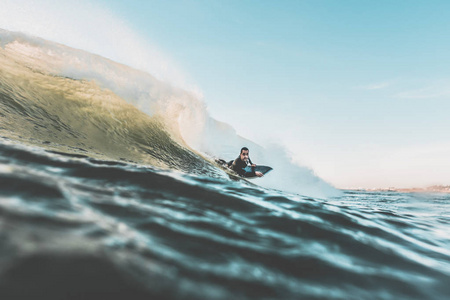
[(262, 169)]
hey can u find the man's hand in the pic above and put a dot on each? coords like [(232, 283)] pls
[(259, 174), (253, 165)]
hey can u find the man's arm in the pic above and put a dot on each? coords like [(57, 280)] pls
[(259, 174)]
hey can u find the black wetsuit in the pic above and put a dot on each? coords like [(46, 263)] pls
[(239, 167)]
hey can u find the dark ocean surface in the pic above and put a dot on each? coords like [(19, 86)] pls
[(81, 228)]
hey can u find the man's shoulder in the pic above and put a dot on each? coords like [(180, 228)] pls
[(236, 164), (237, 161)]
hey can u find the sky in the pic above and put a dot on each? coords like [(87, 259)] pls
[(359, 91)]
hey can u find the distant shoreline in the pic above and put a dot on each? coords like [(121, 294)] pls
[(431, 189)]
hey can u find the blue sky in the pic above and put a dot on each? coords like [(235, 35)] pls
[(357, 90)]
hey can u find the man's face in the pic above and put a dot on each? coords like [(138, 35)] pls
[(244, 155)]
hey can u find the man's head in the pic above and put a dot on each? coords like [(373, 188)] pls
[(244, 154)]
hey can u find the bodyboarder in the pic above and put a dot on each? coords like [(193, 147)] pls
[(243, 165)]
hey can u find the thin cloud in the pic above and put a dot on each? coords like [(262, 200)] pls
[(438, 90), (376, 86)]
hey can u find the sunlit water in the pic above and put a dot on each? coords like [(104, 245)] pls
[(102, 197)]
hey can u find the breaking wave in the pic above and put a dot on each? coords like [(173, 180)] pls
[(70, 100)]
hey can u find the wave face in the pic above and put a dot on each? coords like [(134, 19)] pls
[(70, 100), (42, 107), (83, 228)]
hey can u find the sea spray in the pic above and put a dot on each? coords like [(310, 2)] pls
[(183, 114)]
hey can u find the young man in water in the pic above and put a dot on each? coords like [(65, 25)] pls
[(239, 165)]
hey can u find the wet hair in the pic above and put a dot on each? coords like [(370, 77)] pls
[(244, 148)]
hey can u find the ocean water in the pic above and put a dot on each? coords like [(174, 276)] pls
[(107, 189), (75, 227)]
